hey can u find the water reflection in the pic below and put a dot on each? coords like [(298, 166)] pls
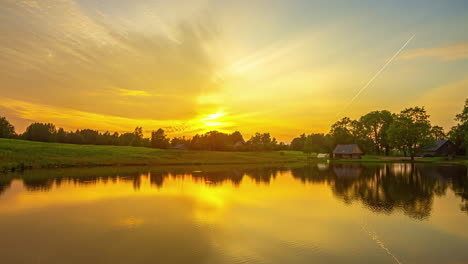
[(382, 188), (385, 188), (318, 213)]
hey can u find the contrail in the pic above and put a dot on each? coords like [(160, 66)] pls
[(376, 74), (380, 243)]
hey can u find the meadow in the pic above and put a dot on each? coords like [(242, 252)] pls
[(21, 154)]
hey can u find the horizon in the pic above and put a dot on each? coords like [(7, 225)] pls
[(193, 67), (147, 133)]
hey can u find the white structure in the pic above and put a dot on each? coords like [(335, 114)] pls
[(322, 156)]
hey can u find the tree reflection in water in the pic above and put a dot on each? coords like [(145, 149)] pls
[(382, 188), (385, 188)]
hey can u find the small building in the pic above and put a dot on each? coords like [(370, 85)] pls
[(350, 151), (322, 156), (442, 148)]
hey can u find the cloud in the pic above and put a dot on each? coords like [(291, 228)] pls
[(452, 52), (127, 92), (24, 113), (444, 102), (67, 55)]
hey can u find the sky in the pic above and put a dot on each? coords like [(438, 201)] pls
[(191, 66)]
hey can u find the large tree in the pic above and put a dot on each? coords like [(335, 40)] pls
[(261, 141), (7, 130), (375, 126), (298, 143), (459, 133), (159, 139), (309, 145), (437, 133), (342, 131), (40, 132), (348, 131), (411, 131)]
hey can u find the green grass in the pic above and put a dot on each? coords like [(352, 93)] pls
[(19, 154)]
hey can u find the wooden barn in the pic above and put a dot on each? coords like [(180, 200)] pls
[(442, 148), (350, 151)]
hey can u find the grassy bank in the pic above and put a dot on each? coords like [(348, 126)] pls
[(19, 154)]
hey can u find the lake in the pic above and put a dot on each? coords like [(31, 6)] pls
[(315, 213)]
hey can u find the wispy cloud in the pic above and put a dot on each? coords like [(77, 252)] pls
[(75, 51), (444, 102), (127, 92), (71, 119), (452, 52)]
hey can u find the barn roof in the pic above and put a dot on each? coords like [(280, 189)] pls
[(439, 143), (347, 149)]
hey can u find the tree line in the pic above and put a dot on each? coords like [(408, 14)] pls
[(381, 132), (377, 132), (213, 140)]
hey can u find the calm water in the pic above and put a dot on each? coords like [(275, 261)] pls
[(398, 213)]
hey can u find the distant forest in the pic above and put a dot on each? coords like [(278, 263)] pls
[(377, 132)]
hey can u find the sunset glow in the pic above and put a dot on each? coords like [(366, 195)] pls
[(286, 67)]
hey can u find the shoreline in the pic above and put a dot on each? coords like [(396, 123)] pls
[(20, 155)]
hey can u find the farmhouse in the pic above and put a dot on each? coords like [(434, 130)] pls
[(442, 148), (351, 151)]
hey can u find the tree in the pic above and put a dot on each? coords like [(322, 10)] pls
[(90, 136), (159, 139), (7, 130), (180, 141), (375, 126), (262, 141), (348, 131), (411, 131), (316, 143), (127, 139), (75, 137), (298, 143), (437, 133), (342, 131), (459, 133), (360, 136), (309, 145), (138, 137), (61, 136), (40, 132)]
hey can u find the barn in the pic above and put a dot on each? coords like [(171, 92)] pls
[(442, 148), (350, 151)]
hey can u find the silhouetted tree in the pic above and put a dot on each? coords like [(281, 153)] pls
[(62, 136), (309, 145), (40, 132), (7, 130), (215, 140), (180, 141), (459, 133), (159, 139), (411, 131), (342, 131), (437, 133), (375, 126), (261, 142), (298, 143)]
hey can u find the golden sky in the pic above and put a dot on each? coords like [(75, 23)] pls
[(284, 67)]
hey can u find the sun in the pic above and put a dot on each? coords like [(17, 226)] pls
[(213, 120)]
